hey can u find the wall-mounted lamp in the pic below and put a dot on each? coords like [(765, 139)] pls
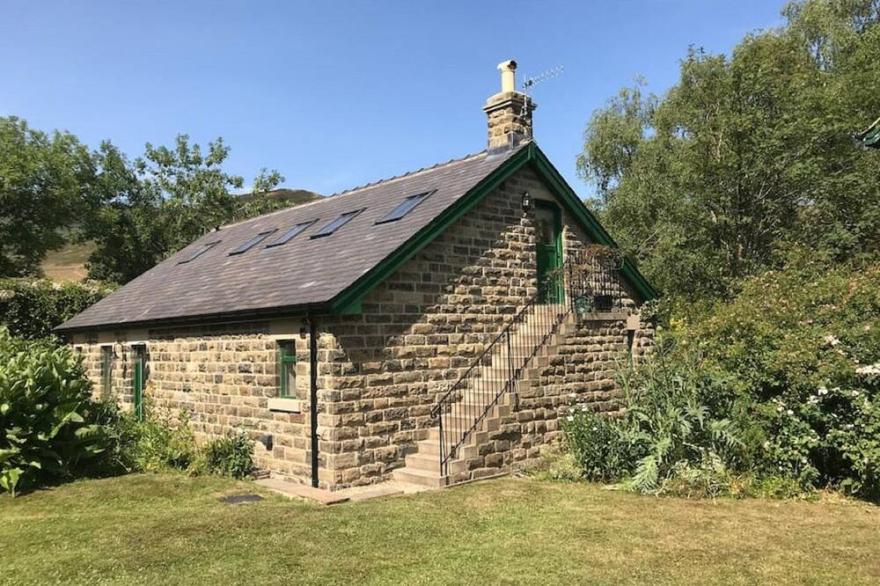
[(526, 201)]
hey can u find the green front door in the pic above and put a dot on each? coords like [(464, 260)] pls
[(548, 227), (138, 380)]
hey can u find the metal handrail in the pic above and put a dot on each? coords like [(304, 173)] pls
[(585, 283), (462, 408)]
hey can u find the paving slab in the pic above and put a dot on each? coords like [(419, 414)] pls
[(327, 497)]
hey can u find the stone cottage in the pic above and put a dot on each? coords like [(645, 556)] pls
[(432, 327)]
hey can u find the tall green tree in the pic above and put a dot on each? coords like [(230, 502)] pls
[(747, 153), (44, 189), (160, 203)]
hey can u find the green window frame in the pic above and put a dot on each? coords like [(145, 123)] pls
[(139, 378), (286, 368), (106, 371)]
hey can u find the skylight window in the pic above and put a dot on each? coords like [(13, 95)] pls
[(336, 224), (199, 252), (405, 207), (291, 234), (251, 242)]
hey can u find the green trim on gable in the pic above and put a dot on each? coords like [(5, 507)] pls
[(348, 301), (426, 235)]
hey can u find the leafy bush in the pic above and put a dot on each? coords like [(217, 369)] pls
[(161, 442), (675, 425), (30, 308), (47, 429), (156, 443), (601, 446), (803, 347), (231, 455)]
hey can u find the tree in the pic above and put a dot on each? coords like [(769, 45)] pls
[(160, 203), (746, 154), (44, 187)]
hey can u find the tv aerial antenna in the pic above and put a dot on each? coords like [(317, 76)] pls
[(529, 83)]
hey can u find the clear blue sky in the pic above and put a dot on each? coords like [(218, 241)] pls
[(334, 94)]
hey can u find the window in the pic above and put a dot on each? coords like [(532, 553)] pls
[(336, 224), (405, 207), (287, 368), (199, 252), (106, 371), (251, 242), (291, 234)]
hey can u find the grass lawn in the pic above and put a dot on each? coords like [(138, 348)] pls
[(160, 529)]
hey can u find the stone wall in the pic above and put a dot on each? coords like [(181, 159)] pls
[(223, 377)]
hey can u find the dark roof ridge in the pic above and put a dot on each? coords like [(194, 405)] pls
[(362, 187)]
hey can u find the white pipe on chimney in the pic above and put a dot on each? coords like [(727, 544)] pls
[(508, 75)]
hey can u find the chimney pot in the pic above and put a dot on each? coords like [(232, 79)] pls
[(508, 75)]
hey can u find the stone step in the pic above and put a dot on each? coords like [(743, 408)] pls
[(431, 463), (478, 436), (432, 448), (420, 477), (497, 410), (460, 423)]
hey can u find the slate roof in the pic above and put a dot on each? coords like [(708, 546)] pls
[(301, 274)]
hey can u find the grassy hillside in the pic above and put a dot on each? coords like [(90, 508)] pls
[(67, 263)]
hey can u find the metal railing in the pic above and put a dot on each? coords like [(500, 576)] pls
[(583, 283)]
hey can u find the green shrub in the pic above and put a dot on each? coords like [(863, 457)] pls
[(161, 442), (601, 446), (30, 308), (676, 428), (47, 428), (803, 347), (231, 455), (158, 442)]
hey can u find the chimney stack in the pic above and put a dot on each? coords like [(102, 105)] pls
[(509, 112)]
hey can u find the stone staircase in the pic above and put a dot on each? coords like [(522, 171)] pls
[(528, 347)]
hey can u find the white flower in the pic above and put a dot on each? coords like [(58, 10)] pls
[(790, 412), (822, 391), (569, 418), (869, 369), (779, 409), (831, 340), (855, 393)]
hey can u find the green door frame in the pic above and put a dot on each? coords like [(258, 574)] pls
[(138, 379), (556, 292)]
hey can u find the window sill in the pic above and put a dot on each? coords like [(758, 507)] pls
[(285, 405)]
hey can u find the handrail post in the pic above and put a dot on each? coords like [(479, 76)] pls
[(509, 360), (441, 442)]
